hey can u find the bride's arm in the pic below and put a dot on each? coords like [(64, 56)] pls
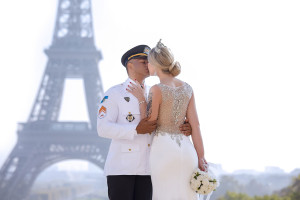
[(154, 101), (150, 107), (196, 133)]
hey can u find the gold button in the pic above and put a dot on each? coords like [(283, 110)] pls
[(129, 149), (148, 145)]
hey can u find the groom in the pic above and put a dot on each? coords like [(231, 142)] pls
[(127, 163)]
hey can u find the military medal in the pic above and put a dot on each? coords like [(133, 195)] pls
[(127, 99), (130, 117)]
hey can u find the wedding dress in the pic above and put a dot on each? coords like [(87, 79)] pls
[(173, 157)]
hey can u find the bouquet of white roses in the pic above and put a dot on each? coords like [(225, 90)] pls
[(203, 183)]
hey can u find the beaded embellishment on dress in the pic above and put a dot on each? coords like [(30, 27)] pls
[(173, 110)]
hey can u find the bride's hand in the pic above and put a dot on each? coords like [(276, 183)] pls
[(137, 91), (202, 164)]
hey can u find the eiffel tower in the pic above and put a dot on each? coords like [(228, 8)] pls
[(43, 140)]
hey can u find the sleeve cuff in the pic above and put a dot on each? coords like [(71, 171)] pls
[(131, 130), (135, 132)]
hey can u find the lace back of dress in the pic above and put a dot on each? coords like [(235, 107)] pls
[(173, 108)]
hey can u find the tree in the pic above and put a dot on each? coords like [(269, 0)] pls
[(235, 196), (241, 196), (292, 191)]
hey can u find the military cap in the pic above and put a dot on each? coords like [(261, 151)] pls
[(135, 52)]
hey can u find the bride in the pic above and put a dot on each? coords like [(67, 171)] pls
[(173, 157)]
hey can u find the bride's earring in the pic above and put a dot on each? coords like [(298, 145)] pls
[(154, 74)]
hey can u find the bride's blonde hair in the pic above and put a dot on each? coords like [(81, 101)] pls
[(162, 57)]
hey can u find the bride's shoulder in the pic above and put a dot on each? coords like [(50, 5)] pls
[(187, 87), (155, 89), (155, 93), (182, 83), (188, 84)]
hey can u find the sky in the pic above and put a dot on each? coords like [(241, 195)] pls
[(242, 59)]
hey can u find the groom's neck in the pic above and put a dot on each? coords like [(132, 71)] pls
[(139, 79)]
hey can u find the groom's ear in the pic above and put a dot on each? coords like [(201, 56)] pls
[(128, 67)]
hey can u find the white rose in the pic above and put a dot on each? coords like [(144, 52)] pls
[(207, 176), (203, 190), (195, 185), (205, 182), (210, 188)]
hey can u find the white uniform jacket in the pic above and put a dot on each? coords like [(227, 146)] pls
[(118, 116)]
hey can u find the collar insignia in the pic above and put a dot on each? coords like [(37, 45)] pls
[(127, 99)]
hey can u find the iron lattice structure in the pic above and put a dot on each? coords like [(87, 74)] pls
[(43, 140)]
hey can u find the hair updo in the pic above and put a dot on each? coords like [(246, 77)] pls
[(162, 57)]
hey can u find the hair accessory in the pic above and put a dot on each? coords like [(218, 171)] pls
[(157, 50), (172, 65), (158, 46)]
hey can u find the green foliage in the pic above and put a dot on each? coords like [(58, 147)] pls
[(292, 192), (240, 196), (235, 196), (272, 197)]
